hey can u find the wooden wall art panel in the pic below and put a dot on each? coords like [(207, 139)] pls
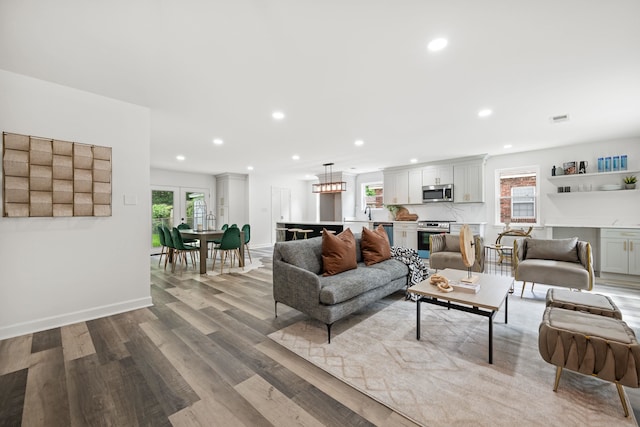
[(45, 177)]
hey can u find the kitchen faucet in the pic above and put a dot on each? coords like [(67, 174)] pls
[(365, 211)]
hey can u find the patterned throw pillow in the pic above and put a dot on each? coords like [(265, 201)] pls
[(338, 252), (375, 245)]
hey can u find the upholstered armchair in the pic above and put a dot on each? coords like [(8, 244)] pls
[(558, 262), (445, 252)]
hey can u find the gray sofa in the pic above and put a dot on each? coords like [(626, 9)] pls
[(559, 262), (298, 281)]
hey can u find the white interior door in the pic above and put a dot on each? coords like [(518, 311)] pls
[(280, 208)]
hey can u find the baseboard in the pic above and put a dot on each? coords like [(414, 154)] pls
[(70, 318)]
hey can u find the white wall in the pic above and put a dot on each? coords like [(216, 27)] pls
[(57, 271), (589, 209), (260, 204)]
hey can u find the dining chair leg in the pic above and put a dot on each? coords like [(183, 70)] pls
[(246, 249), (161, 253)]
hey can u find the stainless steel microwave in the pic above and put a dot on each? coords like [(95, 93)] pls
[(437, 193)]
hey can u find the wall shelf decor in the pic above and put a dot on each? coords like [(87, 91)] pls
[(46, 177)]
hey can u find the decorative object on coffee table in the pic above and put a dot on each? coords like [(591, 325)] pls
[(468, 253)]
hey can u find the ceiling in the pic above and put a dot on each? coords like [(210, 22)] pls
[(341, 70)]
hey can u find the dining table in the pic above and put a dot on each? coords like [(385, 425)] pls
[(205, 235)]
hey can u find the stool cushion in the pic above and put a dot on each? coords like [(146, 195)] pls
[(583, 301), (592, 345)]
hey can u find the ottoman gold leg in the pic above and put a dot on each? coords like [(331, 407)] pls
[(558, 373), (622, 399)]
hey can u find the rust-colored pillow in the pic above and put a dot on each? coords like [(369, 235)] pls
[(338, 252), (375, 245)]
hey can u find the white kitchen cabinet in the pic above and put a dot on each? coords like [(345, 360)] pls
[(477, 228), (405, 234), (396, 187), (415, 186), (437, 175), (620, 250), (468, 182)]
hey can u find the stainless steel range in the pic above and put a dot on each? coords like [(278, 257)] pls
[(426, 229), (434, 226)]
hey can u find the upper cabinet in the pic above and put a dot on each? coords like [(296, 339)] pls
[(415, 186), (437, 174), (468, 182), (396, 187), (403, 187)]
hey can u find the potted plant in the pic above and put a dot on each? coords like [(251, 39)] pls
[(630, 182)]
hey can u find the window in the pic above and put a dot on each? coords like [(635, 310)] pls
[(523, 203), (518, 196), (372, 195)]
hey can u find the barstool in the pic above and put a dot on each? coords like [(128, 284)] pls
[(295, 232), (305, 231)]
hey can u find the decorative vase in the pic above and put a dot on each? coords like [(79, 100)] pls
[(629, 186)]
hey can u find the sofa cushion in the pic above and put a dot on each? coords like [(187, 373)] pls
[(553, 249), (338, 252), (452, 243), (551, 272), (375, 245), (303, 253), (352, 283)]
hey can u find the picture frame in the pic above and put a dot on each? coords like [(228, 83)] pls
[(570, 168)]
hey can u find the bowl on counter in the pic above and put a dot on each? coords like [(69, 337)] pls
[(611, 187)]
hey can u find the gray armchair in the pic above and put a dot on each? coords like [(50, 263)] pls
[(445, 252), (558, 262)]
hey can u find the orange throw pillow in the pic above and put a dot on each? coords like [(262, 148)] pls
[(375, 245), (338, 252)]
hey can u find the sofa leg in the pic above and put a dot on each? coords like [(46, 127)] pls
[(558, 373), (329, 332), (275, 308), (523, 285), (622, 399)]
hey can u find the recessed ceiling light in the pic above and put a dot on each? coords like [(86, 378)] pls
[(485, 113), (278, 115), (437, 44), (218, 141), (414, 160), (250, 168), (295, 157), (508, 146), (180, 157), (359, 142)]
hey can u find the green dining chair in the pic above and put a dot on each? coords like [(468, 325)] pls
[(184, 226), (164, 250), (183, 248), (217, 241), (246, 229), (229, 245), (171, 249)]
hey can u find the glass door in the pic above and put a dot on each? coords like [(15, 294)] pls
[(163, 202), (195, 208)]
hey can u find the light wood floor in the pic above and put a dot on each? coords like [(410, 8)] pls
[(199, 356)]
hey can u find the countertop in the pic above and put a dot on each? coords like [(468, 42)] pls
[(636, 226)]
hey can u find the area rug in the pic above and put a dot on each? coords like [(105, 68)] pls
[(445, 378), (248, 266)]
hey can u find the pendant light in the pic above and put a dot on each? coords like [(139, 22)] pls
[(328, 186)]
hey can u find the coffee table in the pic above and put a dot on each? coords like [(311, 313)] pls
[(494, 291)]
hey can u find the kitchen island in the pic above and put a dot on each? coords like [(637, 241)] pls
[(284, 232), (356, 226)]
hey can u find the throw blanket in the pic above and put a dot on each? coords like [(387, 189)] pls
[(417, 270)]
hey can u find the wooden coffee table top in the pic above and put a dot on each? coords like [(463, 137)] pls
[(493, 289)]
